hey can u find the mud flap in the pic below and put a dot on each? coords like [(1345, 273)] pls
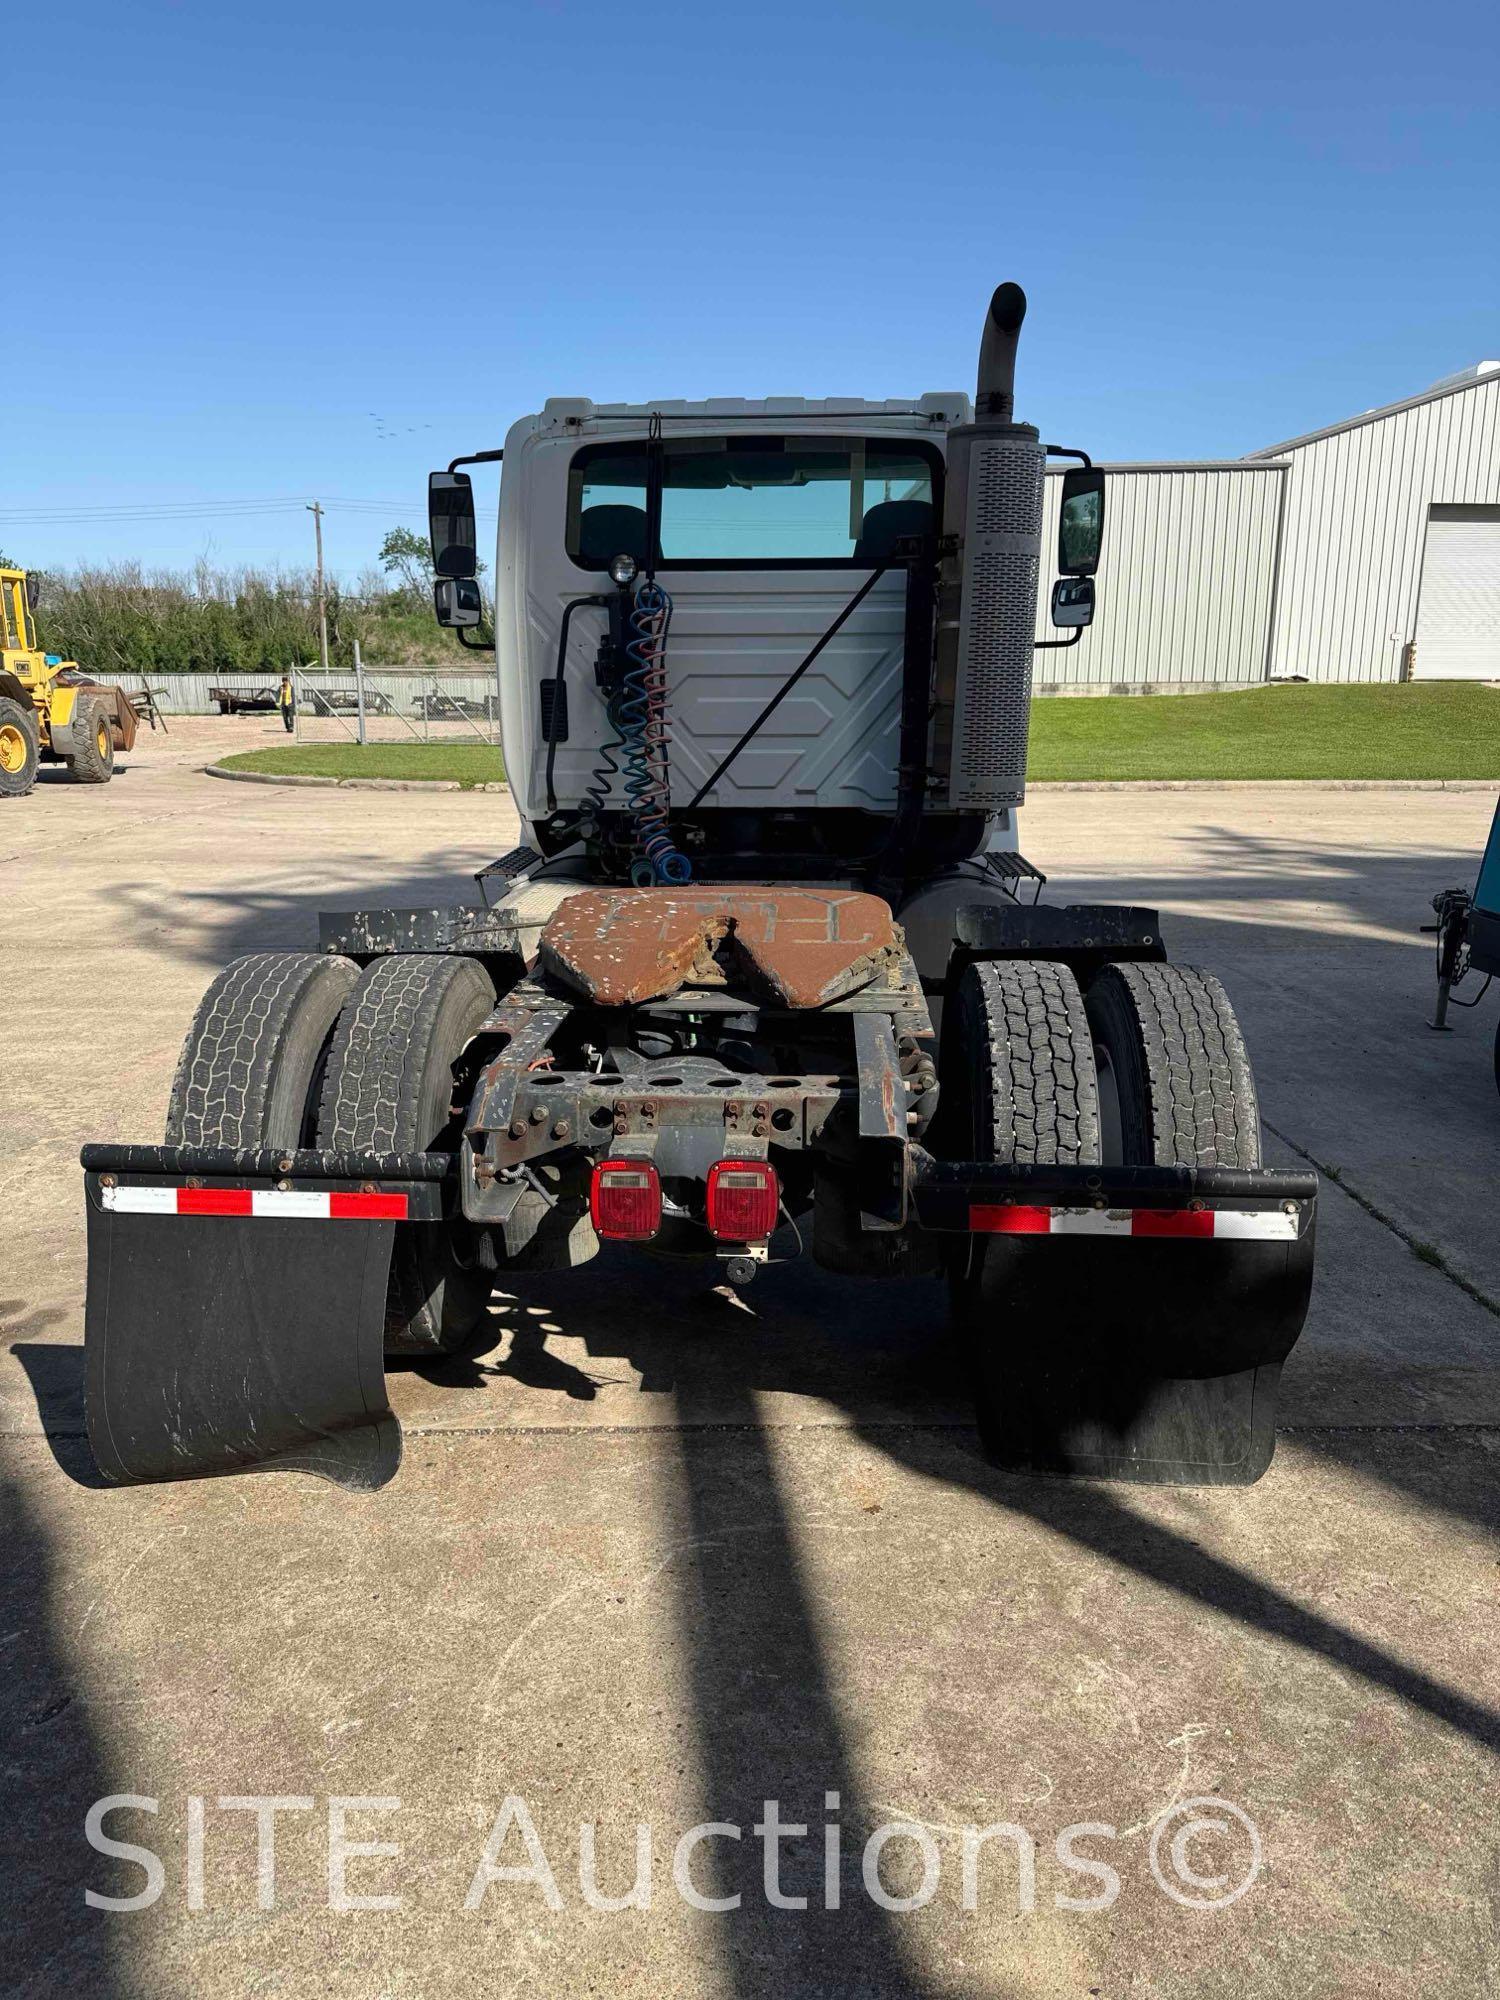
[(236, 1310), (1129, 1323)]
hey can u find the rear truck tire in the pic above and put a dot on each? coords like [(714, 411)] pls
[(1016, 1041), (251, 1068), (1174, 1078), (19, 751), (93, 759), (389, 1087), (1021, 1045)]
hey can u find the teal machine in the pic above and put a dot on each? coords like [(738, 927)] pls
[(1468, 935)]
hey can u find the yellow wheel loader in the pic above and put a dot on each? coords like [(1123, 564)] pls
[(50, 710)]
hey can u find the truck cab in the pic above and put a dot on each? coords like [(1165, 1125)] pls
[(796, 724)]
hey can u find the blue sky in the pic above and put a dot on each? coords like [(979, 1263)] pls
[(284, 250)]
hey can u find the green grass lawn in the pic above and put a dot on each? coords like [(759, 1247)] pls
[(1433, 730), (1437, 729), (470, 763)]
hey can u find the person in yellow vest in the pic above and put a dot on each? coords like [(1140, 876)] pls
[(286, 700)]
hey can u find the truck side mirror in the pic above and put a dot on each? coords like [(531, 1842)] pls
[(1073, 601), (1080, 522), (33, 590), (450, 521), (457, 602)]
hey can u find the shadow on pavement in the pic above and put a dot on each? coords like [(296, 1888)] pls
[(55, 1768), (1310, 887), (56, 1377), (261, 915), (891, 1370), (769, 1728)]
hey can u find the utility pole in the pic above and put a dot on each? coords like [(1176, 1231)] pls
[(317, 513)]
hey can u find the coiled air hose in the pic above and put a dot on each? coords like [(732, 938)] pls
[(642, 727)]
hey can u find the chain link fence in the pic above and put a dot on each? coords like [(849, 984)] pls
[(398, 705)]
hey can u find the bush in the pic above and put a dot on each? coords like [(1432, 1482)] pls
[(123, 619)]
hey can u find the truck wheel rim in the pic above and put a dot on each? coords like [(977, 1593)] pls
[(101, 737), (12, 749)]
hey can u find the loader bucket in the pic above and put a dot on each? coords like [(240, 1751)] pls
[(236, 1309), (1130, 1322)]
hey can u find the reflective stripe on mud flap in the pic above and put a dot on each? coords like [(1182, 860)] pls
[(255, 1202), (1241, 1225)]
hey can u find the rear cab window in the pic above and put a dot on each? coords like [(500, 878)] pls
[(773, 502)]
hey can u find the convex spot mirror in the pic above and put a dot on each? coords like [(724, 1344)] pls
[(1080, 522), (450, 521), (1073, 601), (457, 602)]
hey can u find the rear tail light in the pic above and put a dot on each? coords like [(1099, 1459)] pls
[(743, 1199), (625, 1200)]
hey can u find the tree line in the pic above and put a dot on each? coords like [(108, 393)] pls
[(121, 618)]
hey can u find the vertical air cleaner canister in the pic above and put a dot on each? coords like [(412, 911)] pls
[(987, 591)]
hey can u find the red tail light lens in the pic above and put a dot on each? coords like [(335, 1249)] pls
[(743, 1199), (625, 1200)]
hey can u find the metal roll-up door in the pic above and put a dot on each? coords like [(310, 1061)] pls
[(1458, 612)]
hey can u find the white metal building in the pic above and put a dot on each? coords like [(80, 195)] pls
[(1364, 552)]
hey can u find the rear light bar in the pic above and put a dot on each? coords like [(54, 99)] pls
[(625, 1200), (744, 1198)]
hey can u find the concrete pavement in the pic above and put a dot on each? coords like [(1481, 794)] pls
[(656, 1555)]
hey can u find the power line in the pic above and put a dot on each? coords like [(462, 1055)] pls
[(189, 510)]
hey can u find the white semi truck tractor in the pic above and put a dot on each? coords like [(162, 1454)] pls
[(768, 952)]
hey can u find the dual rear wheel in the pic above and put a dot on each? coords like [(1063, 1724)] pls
[(292, 1048), (1146, 1069), (1149, 1069)]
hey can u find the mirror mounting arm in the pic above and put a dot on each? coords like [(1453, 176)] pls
[(1056, 645), (479, 458), (473, 645), (1052, 451)]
